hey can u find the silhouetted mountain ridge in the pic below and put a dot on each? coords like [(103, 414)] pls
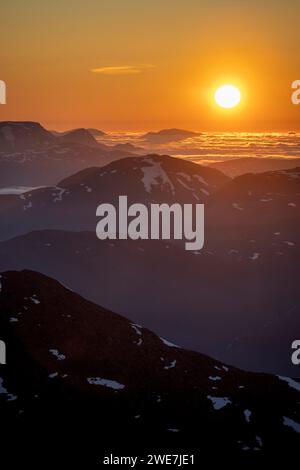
[(32, 156), (239, 166), (168, 135), (71, 359), (72, 203)]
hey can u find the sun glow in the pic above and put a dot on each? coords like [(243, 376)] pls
[(227, 96)]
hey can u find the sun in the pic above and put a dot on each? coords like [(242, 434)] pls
[(227, 96)]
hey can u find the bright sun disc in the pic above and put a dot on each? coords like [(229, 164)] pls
[(227, 96)]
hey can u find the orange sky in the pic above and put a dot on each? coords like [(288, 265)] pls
[(138, 65)]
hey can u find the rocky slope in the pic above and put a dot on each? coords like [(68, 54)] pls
[(70, 361), (72, 203)]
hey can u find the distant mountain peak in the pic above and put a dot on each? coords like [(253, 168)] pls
[(79, 136), (17, 136), (96, 132), (168, 135)]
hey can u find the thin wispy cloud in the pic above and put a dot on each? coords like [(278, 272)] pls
[(122, 69)]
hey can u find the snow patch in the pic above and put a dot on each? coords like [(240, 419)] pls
[(18, 190), (204, 191), (105, 383), (137, 329), (27, 206), (3, 391), (292, 383), (201, 179), (247, 414), (291, 423), (237, 206), (57, 354), (57, 196), (187, 178), (219, 402), (153, 174), (53, 375), (168, 343), (215, 378), (171, 365)]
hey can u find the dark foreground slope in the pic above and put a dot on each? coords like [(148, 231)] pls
[(83, 381)]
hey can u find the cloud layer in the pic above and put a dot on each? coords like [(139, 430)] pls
[(122, 69)]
